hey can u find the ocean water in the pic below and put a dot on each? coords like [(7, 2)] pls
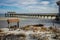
[(29, 21), (26, 21), (2, 15)]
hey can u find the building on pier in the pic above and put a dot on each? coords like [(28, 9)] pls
[(58, 16)]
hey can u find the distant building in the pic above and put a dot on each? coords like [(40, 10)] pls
[(58, 3), (58, 16), (10, 14)]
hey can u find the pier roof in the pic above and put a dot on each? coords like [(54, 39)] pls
[(35, 14)]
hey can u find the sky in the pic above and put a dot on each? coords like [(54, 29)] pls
[(29, 6)]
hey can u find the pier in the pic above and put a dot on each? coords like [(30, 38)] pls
[(41, 16)]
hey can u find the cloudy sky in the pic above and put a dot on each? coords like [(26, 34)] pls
[(29, 6)]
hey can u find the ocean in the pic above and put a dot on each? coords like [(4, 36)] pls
[(2, 15), (26, 21), (29, 21)]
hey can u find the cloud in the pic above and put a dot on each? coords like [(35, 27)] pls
[(18, 2), (23, 2), (36, 7), (41, 9), (27, 3), (31, 5), (57, 0), (45, 2)]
